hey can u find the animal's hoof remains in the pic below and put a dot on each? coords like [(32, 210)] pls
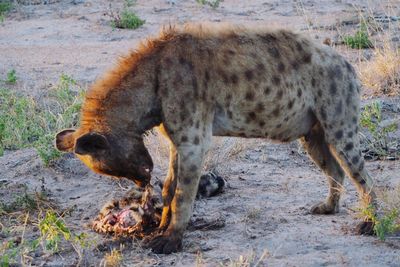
[(365, 228)]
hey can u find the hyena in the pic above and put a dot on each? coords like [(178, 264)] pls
[(194, 83)]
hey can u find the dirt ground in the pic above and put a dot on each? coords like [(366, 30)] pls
[(265, 208)]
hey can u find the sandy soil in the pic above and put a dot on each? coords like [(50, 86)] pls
[(271, 187)]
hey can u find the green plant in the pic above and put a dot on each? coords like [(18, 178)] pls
[(9, 252), (211, 3), (5, 6), (24, 202), (11, 77), (126, 20), (129, 3), (385, 225), (360, 40), (371, 119), (25, 123), (52, 229)]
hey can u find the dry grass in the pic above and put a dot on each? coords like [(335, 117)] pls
[(382, 72), (112, 259), (249, 260)]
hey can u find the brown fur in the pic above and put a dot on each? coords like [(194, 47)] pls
[(196, 82)]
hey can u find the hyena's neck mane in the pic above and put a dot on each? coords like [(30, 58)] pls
[(95, 104)]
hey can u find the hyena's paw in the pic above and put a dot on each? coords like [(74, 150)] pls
[(324, 208), (164, 243), (365, 228)]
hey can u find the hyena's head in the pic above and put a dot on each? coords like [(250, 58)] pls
[(106, 153), (118, 110)]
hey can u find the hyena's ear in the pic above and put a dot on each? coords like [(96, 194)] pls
[(65, 140), (91, 143)]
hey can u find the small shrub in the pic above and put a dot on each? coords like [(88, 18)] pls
[(386, 224), (379, 143), (211, 3), (5, 6), (53, 229), (360, 40), (11, 77), (126, 20), (382, 72)]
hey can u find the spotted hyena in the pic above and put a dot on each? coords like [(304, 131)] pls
[(194, 83)]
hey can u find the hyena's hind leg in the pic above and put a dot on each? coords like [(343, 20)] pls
[(349, 155), (344, 144), (318, 149)]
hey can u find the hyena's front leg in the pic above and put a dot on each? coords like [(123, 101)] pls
[(190, 159), (169, 186)]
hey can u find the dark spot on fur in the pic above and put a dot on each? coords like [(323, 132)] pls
[(350, 134), (295, 65), (252, 116), (307, 58), (186, 180), (184, 138), (276, 80), (362, 181), (354, 119), (276, 111), (196, 140), (279, 94), (361, 167), (207, 76), (323, 114), (299, 93), (234, 79), (260, 107), (348, 147), (349, 67), (313, 82), (260, 67), (355, 159), (338, 108), (249, 95), (195, 86), (249, 75), (279, 125), (335, 72), (333, 88), (267, 90), (230, 115), (193, 168), (261, 123), (290, 104), (286, 119), (197, 124), (339, 134), (281, 67), (319, 93), (274, 52), (299, 47)]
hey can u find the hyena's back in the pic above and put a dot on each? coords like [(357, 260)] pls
[(273, 84)]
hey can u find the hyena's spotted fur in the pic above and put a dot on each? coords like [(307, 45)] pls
[(196, 83)]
